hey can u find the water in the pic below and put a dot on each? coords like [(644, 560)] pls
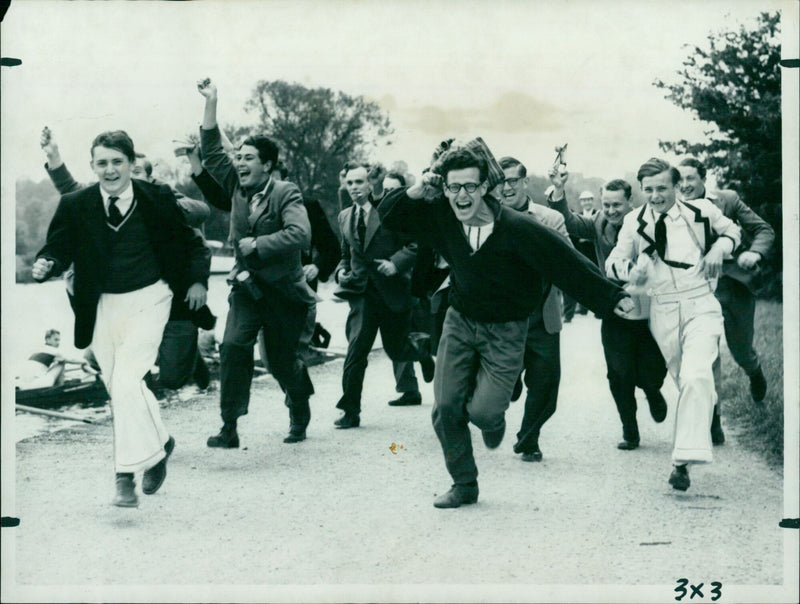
[(30, 309)]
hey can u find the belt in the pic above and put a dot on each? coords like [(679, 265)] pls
[(679, 296)]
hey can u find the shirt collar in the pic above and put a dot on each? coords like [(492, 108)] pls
[(124, 197), (366, 207)]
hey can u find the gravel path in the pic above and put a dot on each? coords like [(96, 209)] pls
[(342, 509)]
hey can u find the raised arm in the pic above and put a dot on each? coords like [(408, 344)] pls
[(56, 170), (215, 159)]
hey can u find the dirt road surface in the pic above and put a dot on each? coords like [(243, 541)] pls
[(348, 514)]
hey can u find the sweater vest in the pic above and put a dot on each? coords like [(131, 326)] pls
[(131, 261)]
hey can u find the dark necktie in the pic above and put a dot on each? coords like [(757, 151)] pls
[(661, 237), (114, 215), (361, 227)]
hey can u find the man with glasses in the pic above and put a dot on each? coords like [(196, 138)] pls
[(542, 361), (500, 261), (632, 355)]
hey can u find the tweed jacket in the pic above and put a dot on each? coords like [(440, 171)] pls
[(552, 306)]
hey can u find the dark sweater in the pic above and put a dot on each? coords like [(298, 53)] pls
[(503, 280), (132, 263)]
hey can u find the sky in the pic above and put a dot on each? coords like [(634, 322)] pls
[(524, 75)]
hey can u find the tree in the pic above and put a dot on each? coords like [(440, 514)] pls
[(318, 130), (734, 85)]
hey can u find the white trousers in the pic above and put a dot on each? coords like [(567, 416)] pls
[(125, 342), (687, 328)]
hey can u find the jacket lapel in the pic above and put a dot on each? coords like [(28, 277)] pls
[(95, 216), (373, 224), (642, 230), (262, 206)]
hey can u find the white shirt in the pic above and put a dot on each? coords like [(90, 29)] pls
[(367, 207), (477, 235), (123, 203)]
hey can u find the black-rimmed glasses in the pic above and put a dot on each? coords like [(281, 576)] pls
[(469, 187)]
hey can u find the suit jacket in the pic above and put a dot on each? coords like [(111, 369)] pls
[(757, 234), (551, 308), (325, 248), (279, 223), (359, 264), (78, 234), (637, 235)]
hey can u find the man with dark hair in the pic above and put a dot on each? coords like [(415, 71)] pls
[(500, 260), (674, 250), (737, 300), (542, 361), (132, 252), (632, 355), (374, 276), (393, 180), (269, 229)]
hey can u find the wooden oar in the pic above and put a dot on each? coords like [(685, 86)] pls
[(36, 411)]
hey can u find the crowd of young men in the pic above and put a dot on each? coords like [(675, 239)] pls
[(507, 261)]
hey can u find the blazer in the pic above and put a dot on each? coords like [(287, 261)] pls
[(757, 235), (279, 223), (78, 235), (552, 306), (637, 235), (359, 264)]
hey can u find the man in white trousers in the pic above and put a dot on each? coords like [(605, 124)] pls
[(674, 251), (132, 251)]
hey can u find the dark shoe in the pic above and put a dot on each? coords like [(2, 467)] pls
[(421, 343), (717, 435), (407, 399), (758, 386), (348, 420), (458, 495), (126, 492), (154, 477), (493, 438), (226, 439), (630, 438), (296, 434), (679, 479), (658, 406), (517, 392), (535, 455)]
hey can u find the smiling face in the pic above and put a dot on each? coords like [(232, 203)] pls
[(466, 206), (692, 186), (357, 185), (659, 191), (113, 169), (615, 205), (587, 203), (253, 173), (513, 191)]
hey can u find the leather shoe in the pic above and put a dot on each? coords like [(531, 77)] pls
[(154, 477), (535, 455), (126, 492), (348, 420), (493, 438), (458, 495), (628, 445), (658, 406), (407, 399), (226, 439), (679, 479), (717, 435), (517, 392), (296, 435), (758, 386)]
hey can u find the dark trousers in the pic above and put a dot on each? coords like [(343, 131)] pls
[(632, 359), (738, 313), (477, 367), (177, 354), (542, 364), (368, 314), (282, 320)]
